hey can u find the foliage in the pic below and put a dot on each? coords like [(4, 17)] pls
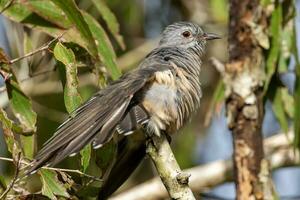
[(81, 40)]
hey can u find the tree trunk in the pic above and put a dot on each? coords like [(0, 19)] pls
[(244, 77)]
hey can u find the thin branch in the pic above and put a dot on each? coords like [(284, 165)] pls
[(11, 185), (175, 181), (56, 169), (42, 48), (278, 150)]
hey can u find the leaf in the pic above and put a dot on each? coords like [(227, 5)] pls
[(104, 47), (51, 185), (278, 108), (85, 157), (74, 15), (276, 29), (8, 128), (21, 106), (111, 21), (71, 95), (50, 12), (19, 12), (288, 102), (296, 93)]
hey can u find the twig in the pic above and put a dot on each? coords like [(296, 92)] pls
[(8, 4), (278, 151), (11, 185), (42, 48), (175, 181), (56, 169)]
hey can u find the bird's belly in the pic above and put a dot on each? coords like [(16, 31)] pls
[(160, 103)]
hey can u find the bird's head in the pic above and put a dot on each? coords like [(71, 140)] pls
[(186, 35)]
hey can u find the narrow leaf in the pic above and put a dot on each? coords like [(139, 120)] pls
[(276, 29), (296, 93), (51, 185), (104, 47), (74, 15), (21, 106), (71, 95), (278, 108), (111, 21), (49, 11), (85, 157), (9, 127), (19, 12)]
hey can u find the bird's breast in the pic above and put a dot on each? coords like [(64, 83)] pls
[(169, 101)]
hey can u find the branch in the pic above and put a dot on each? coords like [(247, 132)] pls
[(175, 181), (56, 169), (11, 185), (278, 151), (42, 48)]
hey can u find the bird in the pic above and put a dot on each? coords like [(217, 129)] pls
[(159, 96)]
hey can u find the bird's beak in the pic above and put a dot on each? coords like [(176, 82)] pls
[(210, 36)]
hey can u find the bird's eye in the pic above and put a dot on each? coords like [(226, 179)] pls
[(186, 34)]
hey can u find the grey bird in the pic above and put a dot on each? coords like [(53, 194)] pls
[(158, 96)]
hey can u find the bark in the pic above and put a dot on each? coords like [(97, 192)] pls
[(244, 75), (175, 181), (278, 151)]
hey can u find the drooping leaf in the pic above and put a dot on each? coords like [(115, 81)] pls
[(22, 109), (71, 95), (21, 106), (74, 15), (288, 103), (19, 12), (85, 157), (278, 108), (49, 11), (111, 21), (296, 93), (9, 127), (104, 47), (52, 187), (275, 31)]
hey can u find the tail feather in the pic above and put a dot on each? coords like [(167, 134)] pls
[(94, 122), (131, 151)]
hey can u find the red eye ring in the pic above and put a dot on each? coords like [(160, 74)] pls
[(186, 34)]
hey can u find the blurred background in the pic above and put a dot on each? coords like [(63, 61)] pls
[(205, 139)]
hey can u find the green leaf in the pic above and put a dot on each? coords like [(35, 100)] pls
[(52, 187), (104, 47), (8, 128), (278, 108), (19, 12), (288, 101), (85, 157), (21, 106), (275, 30), (296, 93), (50, 12), (111, 21), (71, 95), (74, 15)]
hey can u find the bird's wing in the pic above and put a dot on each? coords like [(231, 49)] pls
[(95, 121)]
